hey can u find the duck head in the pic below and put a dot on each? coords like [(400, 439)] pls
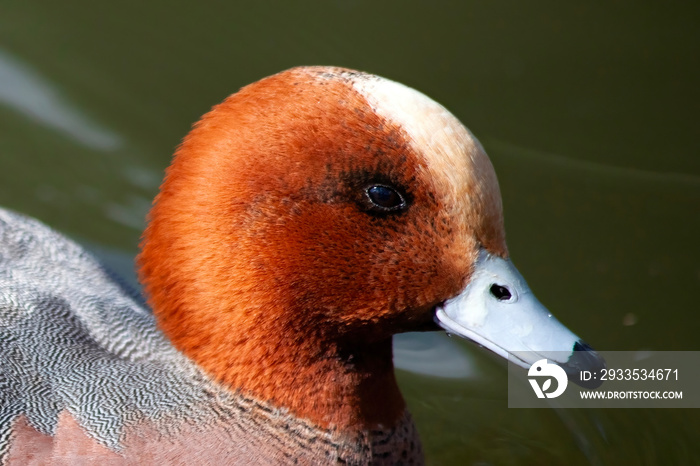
[(314, 214)]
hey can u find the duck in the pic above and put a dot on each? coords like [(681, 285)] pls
[(302, 223)]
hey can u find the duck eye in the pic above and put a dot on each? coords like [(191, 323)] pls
[(385, 198), (501, 293)]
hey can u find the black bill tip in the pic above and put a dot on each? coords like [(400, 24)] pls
[(584, 366)]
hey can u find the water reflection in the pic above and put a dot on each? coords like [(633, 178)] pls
[(131, 214), (433, 354), (583, 167), (31, 94)]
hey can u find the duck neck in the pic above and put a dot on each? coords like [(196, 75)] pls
[(336, 385)]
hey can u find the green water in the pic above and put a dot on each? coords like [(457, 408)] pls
[(589, 113)]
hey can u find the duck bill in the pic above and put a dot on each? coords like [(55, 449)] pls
[(497, 310)]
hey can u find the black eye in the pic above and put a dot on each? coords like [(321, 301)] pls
[(501, 293), (385, 198)]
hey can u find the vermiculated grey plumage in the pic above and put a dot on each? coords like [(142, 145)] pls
[(73, 339)]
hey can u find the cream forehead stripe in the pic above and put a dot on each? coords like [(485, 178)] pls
[(451, 153)]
